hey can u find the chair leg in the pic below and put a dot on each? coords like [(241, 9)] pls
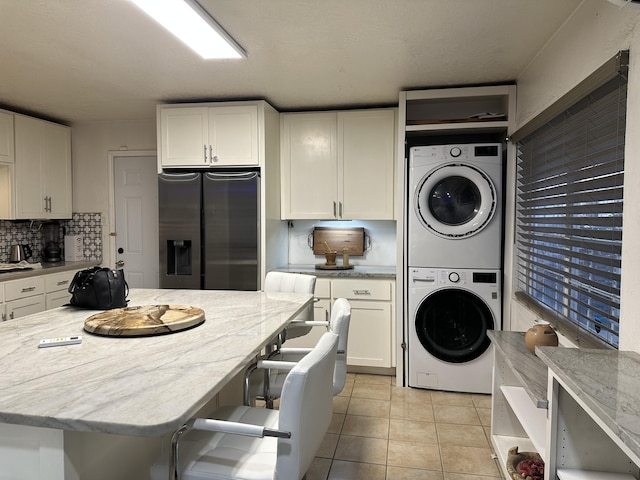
[(173, 465), (245, 394)]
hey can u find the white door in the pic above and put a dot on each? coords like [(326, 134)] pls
[(136, 207)]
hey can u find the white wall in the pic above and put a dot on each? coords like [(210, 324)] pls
[(593, 34), (90, 146)]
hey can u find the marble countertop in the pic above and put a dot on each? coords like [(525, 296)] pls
[(530, 370), (607, 382), (48, 268), (358, 271), (134, 386)]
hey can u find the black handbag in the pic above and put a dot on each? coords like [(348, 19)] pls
[(99, 289)]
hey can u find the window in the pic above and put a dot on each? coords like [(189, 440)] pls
[(569, 214)]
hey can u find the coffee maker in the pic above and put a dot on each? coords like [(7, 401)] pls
[(51, 251)]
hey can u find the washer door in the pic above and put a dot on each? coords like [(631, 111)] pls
[(452, 325), (455, 200)]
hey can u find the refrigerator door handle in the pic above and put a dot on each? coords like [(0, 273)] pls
[(232, 175)]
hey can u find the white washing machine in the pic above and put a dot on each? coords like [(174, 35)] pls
[(454, 212), (449, 313)]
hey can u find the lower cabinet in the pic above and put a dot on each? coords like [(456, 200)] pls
[(34, 294), (57, 286), (371, 331), (24, 297)]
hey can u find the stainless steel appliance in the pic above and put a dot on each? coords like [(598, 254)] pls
[(51, 250), (209, 230)]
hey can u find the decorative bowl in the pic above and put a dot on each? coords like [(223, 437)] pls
[(514, 458)]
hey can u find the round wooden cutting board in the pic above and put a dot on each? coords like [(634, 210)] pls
[(144, 320)]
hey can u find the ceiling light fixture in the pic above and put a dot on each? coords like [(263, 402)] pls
[(192, 24)]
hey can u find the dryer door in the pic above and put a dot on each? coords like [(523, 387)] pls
[(455, 200), (452, 325)]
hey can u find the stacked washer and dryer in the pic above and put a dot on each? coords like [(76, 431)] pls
[(454, 251)]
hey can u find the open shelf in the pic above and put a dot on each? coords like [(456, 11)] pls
[(573, 474), (502, 444), (532, 419)]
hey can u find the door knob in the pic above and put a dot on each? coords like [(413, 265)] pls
[(119, 264)]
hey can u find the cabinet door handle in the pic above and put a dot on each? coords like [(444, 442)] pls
[(4, 317), (205, 153), (211, 157), (28, 289), (340, 209), (50, 205), (11, 315), (361, 292), (334, 209), (62, 282)]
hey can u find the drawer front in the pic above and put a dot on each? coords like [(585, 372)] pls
[(323, 288), (58, 281), (57, 299), (26, 287), (25, 306), (358, 289)]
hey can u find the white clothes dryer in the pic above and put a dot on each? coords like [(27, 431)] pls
[(449, 314), (454, 214)]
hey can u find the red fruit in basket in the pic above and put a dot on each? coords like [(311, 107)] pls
[(531, 468)]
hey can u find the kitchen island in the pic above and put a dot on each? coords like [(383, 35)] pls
[(140, 386)]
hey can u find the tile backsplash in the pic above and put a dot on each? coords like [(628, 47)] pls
[(27, 232)]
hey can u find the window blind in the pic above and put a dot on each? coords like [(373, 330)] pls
[(569, 215)]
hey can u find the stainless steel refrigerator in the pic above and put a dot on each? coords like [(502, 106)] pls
[(209, 228)]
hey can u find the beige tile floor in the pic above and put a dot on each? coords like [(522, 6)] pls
[(383, 432)]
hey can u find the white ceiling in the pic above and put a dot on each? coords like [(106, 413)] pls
[(80, 60)]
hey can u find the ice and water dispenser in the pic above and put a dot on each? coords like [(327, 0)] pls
[(179, 257)]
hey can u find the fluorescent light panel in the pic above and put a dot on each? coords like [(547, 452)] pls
[(188, 21)]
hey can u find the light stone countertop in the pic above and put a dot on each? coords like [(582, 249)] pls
[(530, 371), (144, 386), (607, 381), (358, 271), (48, 268)]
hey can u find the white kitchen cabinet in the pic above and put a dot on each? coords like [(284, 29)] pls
[(519, 403), (34, 294), (6, 138), (560, 406), (7, 162), (370, 330), (488, 109), (338, 165), (24, 297), (56, 288), (371, 327), (203, 135), (42, 169)]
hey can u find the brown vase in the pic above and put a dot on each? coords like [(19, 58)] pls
[(540, 334)]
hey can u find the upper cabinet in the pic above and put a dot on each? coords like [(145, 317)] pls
[(208, 135), (42, 169), (7, 160), (6, 137), (35, 168), (338, 165), (489, 109)]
